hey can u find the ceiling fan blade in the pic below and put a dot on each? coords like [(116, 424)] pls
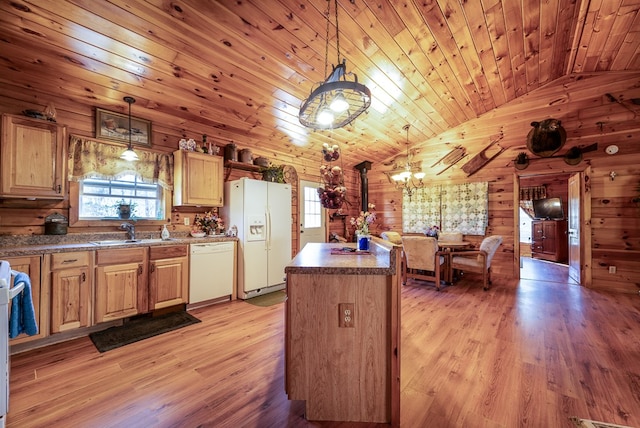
[(591, 148)]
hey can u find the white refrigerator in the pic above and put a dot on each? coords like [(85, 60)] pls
[(261, 211)]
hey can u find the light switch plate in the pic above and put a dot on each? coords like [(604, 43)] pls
[(186, 221)]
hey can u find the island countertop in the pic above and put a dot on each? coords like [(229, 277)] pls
[(316, 258)]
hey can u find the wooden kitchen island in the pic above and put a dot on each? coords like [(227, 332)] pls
[(342, 344)]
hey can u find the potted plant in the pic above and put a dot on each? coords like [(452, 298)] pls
[(125, 209), (273, 173)]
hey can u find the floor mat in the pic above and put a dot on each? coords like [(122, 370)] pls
[(268, 299), (140, 328)]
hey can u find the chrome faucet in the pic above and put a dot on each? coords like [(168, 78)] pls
[(131, 230)]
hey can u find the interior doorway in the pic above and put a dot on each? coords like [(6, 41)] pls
[(547, 262)]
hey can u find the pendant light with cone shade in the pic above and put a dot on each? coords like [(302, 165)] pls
[(129, 154)]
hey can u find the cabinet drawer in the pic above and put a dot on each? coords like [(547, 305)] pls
[(120, 255), (67, 260), (167, 252)]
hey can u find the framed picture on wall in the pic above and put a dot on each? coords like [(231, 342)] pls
[(115, 127)]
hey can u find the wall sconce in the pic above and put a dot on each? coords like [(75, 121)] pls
[(612, 175)]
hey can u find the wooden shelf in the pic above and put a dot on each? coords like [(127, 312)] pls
[(231, 165)]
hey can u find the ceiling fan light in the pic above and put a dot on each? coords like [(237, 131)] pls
[(419, 175)]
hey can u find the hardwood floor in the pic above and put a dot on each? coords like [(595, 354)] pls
[(518, 355), (543, 270)]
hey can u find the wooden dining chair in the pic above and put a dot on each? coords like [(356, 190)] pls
[(421, 259), (477, 261)]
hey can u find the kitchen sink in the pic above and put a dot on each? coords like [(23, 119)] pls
[(130, 241), (116, 242)]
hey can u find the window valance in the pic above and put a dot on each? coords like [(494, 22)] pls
[(528, 195), (452, 207), (96, 159)]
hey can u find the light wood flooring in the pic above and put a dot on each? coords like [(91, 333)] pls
[(543, 270), (526, 354)]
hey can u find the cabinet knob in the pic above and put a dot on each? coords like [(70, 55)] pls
[(152, 268), (139, 269), (84, 277)]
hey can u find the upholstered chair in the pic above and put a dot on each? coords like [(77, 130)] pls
[(421, 259), (391, 236), (477, 261)]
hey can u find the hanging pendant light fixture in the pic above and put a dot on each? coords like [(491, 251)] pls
[(129, 154), (405, 179), (336, 102)]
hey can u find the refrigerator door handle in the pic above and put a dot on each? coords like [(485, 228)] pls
[(268, 233)]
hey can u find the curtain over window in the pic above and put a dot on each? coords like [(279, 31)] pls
[(528, 195), (95, 159), (456, 207)]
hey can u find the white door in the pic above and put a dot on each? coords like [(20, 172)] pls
[(575, 260), (278, 231), (312, 218)]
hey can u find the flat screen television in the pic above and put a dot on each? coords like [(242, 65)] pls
[(548, 209)]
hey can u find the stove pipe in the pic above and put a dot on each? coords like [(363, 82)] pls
[(363, 167)]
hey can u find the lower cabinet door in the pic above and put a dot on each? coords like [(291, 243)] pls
[(168, 282), (117, 291), (70, 299)]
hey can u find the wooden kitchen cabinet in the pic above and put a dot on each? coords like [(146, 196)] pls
[(168, 276), (550, 241), (120, 283), (198, 179), (25, 143), (32, 265), (70, 291)]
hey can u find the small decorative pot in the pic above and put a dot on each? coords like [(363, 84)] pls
[(362, 243), (124, 212)]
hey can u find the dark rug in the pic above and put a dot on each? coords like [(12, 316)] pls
[(140, 328), (268, 299)]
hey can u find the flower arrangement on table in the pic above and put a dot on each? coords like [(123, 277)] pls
[(363, 221), (432, 231), (208, 223)]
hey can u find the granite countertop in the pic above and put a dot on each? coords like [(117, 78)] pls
[(316, 258), (28, 245)]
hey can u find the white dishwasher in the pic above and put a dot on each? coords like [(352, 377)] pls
[(211, 271)]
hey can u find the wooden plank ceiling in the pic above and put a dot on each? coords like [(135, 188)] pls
[(239, 70)]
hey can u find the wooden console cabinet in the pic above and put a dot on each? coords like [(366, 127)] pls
[(550, 241)]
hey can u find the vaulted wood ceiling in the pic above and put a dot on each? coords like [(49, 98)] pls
[(239, 70)]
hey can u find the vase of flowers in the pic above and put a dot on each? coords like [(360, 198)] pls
[(208, 223), (432, 231), (362, 223)]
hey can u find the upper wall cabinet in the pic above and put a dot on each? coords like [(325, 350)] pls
[(197, 180), (33, 154)]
